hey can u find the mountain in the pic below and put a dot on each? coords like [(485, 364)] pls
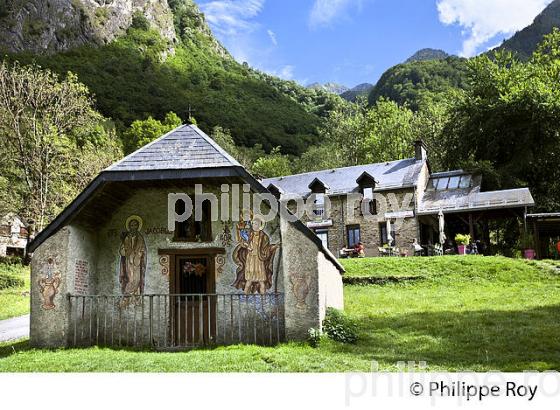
[(420, 81), (525, 42), (333, 88), (427, 54), (144, 58), (360, 90), (429, 72), (52, 26)]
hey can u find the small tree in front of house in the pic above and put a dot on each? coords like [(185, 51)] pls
[(45, 125)]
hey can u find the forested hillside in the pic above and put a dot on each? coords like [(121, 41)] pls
[(526, 41), (144, 72), (420, 82)]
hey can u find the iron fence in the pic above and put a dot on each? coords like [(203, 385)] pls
[(166, 321)]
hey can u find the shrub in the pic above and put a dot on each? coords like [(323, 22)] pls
[(313, 337), (462, 239), (139, 21), (339, 327), (8, 280), (11, 260)]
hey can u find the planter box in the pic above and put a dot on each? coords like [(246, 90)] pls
[(529, 254), (462, 249)]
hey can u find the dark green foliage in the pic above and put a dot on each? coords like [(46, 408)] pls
[(10, 260), (139, 21), (340, 327), (9, 280), (506, 123), (361, 90), (135, 77), (420, 83), (313, 337), (427, 54)]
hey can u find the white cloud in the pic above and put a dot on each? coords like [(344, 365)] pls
[(231, 17), (272, 36), (482, 20), (286, 72), (325, 11)]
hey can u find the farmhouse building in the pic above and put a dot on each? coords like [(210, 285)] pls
[(13, 235), (109, 271), (396, 204)]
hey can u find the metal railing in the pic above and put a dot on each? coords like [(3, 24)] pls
[(166, 321)]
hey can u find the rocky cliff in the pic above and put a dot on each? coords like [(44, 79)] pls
[(49, 26)]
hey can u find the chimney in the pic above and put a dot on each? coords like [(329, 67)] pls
[(420, 151)]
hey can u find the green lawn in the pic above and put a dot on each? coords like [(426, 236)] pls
[(14, 301), (467, 313)]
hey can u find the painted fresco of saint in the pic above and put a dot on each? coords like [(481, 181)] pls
[(254, 256), (133, 256)]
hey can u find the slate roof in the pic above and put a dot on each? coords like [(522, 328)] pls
[(460, 201), (389, 175), (186, 147), (185, 152)]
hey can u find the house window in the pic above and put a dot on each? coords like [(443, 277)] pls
[(353, 235), (441, 184), (453, 183), (383, 231), (319, 209), (323, 235), (465, 181), (368, 203), (191, 230)]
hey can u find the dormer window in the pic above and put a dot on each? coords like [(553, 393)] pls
[(319, 209), (318, 191), (318, 187), (367, 184)]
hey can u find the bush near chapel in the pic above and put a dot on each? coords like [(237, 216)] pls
[(340, 327)]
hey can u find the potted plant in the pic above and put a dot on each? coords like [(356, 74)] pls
[(462, 242), (528, 246)]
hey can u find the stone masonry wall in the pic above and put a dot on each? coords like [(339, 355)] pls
[(407, 228)]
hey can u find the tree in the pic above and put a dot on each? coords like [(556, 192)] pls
[(508, 121), (45, 124), (390, 132), (142, 132), (273, 165), (356, 134)]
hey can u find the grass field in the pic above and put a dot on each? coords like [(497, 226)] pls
[(14, 301), (465, 313)]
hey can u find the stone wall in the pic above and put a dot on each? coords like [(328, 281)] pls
[(301, 278), (53, 276), (345, 211)]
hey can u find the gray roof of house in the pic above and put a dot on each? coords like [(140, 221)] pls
[(460, 201), (186, 147), (389, 175)]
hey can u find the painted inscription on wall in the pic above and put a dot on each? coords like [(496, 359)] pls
[(81, 277)]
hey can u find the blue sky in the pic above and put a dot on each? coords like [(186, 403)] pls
[(355, 41)]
